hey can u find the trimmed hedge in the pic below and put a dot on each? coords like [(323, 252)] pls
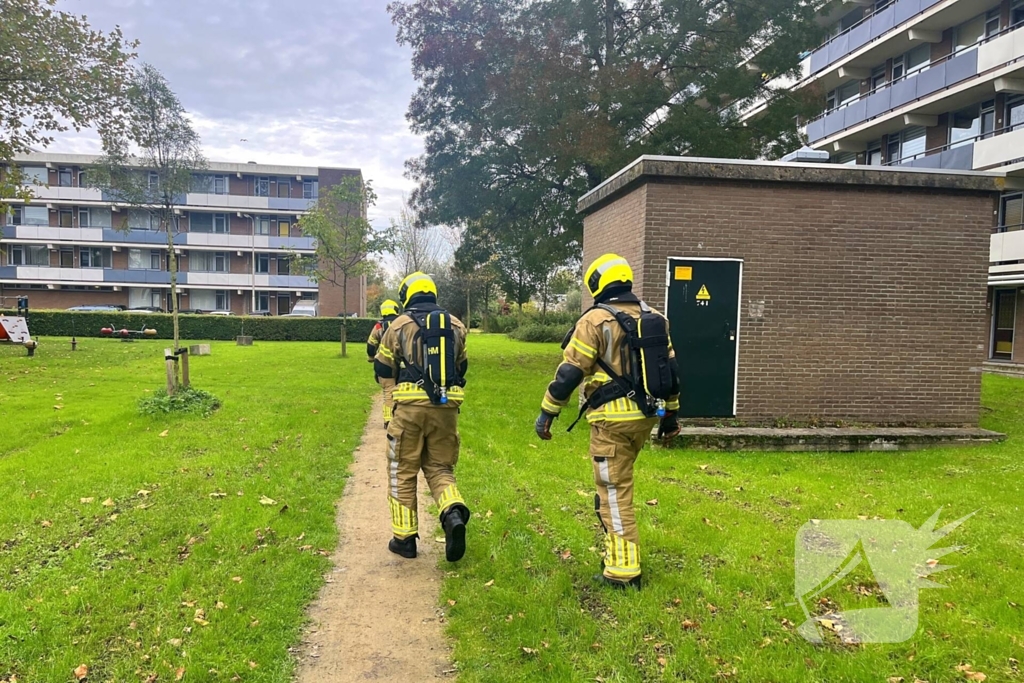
[(539, 333), (196, 327)]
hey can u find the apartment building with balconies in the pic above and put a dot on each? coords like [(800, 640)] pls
[(236, 242), (935, 84)]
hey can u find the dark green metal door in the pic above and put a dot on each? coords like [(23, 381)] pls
[(703, 310)]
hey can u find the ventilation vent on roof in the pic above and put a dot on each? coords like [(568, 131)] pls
[(806, 155)]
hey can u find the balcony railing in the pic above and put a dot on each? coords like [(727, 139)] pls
[(867, 30), (953, 69), (156, 238)]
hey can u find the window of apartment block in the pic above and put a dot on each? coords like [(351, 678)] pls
[(969, 33), (95, 217), (1011, 211), (918, 58), (84, 218), (262, 263), (263, 225), (220, 222), (137, 259), (154, 180), (66, 218), (845, 158), (284, 187), (971, 123), (873, 157), (65, 177), (844, 94), (878, 78), (263, 301), (262, 187), (200, 222), (849, 20), (283, 227), (310, 189), (1015, 112), (208, 261), (142, 220), (81, 178), (283, 265), (156, 259), (14, 216), (220, 184), (1017, 13), (222, 300), (28, 255), (220, 262), (34, 215), (94, 258), (992, 23), (67, 258), (35, 175)]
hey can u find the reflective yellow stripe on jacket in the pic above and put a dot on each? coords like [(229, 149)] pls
[(406, 392)]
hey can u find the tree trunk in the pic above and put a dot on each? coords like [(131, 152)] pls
[(344, 316), (609, 32), (173, 268)]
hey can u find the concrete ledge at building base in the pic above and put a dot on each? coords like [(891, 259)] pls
[(1004, 368), (831, 439)]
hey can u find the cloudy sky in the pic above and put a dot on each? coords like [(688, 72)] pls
[(318, 82)]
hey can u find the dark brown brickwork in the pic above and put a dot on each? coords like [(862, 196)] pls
[(875, 296)]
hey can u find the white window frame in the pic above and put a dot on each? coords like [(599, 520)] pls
[(261, 259), (84, 218), (261, 186), (221, 218), (136, 260)]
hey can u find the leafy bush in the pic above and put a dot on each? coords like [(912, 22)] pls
[(196, 327), (539, 333), (188, 401), (504, 324)]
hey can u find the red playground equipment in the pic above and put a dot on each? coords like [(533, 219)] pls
[(14, 330), (127, 335)]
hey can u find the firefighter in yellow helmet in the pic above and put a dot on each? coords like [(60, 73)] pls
[(422, 359), (388, 313), (621, 353)]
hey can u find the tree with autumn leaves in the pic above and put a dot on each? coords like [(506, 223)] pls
[(525, 107)]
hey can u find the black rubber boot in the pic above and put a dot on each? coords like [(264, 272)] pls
[(635, 582), (453, 520), (406, 547)]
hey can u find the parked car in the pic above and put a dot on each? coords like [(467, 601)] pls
[(98, 307), (146, 309), (303, 309), (221, 313)]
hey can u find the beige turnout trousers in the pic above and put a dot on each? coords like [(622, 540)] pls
[(614, 447), (421, 437)]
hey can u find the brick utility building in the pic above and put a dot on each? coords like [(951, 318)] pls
[(72, 245), (810, 293)]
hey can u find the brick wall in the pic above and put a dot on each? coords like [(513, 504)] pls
[(1018, 330), (874, 296), (617, 228)]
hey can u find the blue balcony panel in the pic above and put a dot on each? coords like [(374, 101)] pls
[(959, 158), (931, 161), (9, 231), (860, 35), (883, 21), (834, 122), (8, 272), (931, 81), (878, 103), (904, 91), (148, 237), (819, 59), (856, 112), (838, 48), (141, 277), (291, 281), (963, 66), (815, 130), (905, 9)]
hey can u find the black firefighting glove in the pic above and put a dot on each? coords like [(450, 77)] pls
[(669, 426), (543, 425)]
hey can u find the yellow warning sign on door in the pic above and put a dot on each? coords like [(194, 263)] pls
[(703, 294), (684, 273)]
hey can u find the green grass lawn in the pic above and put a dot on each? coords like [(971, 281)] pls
[(718, 550), (118, 587), (140, 545)]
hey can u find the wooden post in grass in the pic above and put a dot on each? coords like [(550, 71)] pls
[(171, 374), (183, 354)]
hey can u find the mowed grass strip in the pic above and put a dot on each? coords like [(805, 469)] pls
[(717, 541), (149, 548)]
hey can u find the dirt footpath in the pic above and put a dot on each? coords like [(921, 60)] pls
[(377, 617)]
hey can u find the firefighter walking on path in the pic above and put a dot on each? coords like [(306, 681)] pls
[(621, 352), (388, 313), (422, 360)]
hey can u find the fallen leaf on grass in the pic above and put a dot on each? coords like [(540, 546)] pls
[(218, 494), (652, 501), (662, 662), (236, 579), (965, 669), (108, 503), (174, 642), (58, 407), (143, 493), (452, 603), (529, 650), (894, 679), (489, 583), (220, 605), (253, 665), (81, 672), (566, 554), (690, 625), (46, 524), (165, 432), (267, 501), (180, 673), (86, 501)]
